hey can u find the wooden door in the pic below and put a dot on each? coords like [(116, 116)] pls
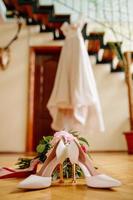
[(43, 66)]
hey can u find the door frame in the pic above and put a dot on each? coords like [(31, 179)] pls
[(30, 119)]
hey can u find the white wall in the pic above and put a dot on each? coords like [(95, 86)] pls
[(14, 90)]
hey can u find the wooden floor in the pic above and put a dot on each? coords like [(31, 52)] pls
[(118, 165)]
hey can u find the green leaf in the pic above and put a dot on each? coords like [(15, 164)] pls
[(79, 172), (23, 163), (66, 174), (74, 133), (55, 175), (47, 138), (84, 140), (40, 148), (88, 154)]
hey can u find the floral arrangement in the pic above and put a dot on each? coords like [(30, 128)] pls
[(45, 145)]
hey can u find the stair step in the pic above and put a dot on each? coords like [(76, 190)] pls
[(44, 9), (112, 45), (93, 47), (95, 42), (93, 35), (111, 53), (60, 18), (9, 5), (25, 2)]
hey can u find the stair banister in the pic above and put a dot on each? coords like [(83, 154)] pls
[(127, 64)]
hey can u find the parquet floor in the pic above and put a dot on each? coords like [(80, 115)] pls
[(118, 165)]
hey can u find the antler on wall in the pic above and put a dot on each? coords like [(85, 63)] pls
[(5, 51)]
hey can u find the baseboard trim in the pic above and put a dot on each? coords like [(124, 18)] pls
[(34, 153), (17, 153), (108, 151)]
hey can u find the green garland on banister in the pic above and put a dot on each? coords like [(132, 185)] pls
[(45, 145)]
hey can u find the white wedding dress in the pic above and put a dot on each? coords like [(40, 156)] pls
[(74, 101)]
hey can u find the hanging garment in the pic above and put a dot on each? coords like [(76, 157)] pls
[(74, 101)]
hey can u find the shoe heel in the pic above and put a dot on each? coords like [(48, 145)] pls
[(61, 154), (73, 173), (61, 173), (73, 154)]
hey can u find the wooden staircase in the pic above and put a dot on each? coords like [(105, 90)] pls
[(109, 54), (35, 14), (103, 53), (49, 21)]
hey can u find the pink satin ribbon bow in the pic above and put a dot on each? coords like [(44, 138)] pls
[(68, 137)]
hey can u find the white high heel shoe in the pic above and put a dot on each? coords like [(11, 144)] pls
[(43, 178), (92, 177)]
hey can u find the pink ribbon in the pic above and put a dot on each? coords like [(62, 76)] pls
[(68, 137)]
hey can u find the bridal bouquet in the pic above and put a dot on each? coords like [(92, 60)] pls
[(45, 145)]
